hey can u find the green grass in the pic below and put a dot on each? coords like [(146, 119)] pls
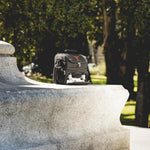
[(128, 113), (98, 79), (42, 79), (135, 83)]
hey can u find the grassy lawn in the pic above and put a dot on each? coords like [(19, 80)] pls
[(41, 79), (128, 113), (98, 79)]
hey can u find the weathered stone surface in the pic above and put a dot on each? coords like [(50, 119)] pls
[(6, 48), (9, 72), (73, 118)]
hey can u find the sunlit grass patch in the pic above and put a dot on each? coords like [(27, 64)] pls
[(42, 79), (98, 79), (135, 83), (128, 113)]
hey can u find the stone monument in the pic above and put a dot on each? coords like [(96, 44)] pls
[(38, 116), (8, 69)]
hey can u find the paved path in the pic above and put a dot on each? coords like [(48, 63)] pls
[(139, 138)]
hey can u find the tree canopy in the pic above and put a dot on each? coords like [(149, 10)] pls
[(39, 29)]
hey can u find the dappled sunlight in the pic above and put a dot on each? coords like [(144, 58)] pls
[(98, 79), (128, 113)]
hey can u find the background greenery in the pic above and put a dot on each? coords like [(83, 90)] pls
[(41, 28)]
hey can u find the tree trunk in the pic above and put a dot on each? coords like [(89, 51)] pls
[(95, 49), (111, 52), (143, 94), (130, 56)]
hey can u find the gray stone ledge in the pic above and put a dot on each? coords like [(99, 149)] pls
[(9, 72), (63, 117), (6, 48)]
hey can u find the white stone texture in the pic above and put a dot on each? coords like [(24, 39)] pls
[(6, 48), (9, 72), (71, 118)]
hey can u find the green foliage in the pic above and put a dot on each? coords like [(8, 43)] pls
[(95, 31), (142, 18), (75, 19), (71, 17), (40, 29), (22, 23), (133, 19)]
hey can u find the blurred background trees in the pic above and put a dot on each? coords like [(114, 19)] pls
[(40, 29), (126, 48)]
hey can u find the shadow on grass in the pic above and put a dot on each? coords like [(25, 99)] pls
[(126, 119), (128, 114), (130, 105)]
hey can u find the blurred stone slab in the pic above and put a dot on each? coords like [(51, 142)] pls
[(9, 72), (139, 138), (6, 48), (71, 118)]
